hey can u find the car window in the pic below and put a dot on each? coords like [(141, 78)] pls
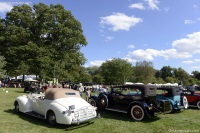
[(68, 93), (134, 91)]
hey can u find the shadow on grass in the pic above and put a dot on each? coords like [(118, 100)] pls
[(123, 116), (22, 92), (42, 122)]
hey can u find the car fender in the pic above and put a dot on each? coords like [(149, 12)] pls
[(58, 110), (25, 104)]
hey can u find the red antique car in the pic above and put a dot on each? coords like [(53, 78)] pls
[(192, 96)]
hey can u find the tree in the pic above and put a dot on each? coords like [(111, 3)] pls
[(94, 71), (181, 75), (166, 71), (196, 74), (116, 71), (2, 72), (43, 40), (144, 72)]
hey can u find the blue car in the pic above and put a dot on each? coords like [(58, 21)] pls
[(173, 94)]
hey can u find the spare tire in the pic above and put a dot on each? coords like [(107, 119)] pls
[(103, 101)]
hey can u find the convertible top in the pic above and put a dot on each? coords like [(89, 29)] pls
[(56, 93)]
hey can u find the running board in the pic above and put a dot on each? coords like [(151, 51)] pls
[(32, 113), (116, 110)]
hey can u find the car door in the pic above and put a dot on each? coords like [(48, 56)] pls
[(39, 105), (121, 99)]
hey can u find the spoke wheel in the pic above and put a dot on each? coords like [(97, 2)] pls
[(93, 102), (103, 102), (185, 103), (170, 109), (198, 104), (137, 113), (52, 118), (16, 107)]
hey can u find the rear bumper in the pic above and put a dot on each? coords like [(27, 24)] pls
[(77, 121)]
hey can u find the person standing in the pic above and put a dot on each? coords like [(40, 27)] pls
[(81, 90), (0, 83), (87, 94)]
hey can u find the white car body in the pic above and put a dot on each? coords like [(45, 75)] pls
[(66, 104)]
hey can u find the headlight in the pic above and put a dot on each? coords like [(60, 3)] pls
[(150, 107)]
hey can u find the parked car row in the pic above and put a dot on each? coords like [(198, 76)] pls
[(65, 106)]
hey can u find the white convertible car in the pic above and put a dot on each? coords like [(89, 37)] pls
[(57, 105)]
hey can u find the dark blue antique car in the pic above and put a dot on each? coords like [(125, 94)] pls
[(173, 94), (138, 100)]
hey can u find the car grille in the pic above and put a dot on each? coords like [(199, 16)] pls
[(84, 113)]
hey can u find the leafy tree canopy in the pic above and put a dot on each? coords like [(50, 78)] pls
[(42, 40), (116, 71)]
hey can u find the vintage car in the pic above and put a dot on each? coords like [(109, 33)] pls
[(31, 85), (57, 105), (138, 100), (192, 96), (173, 94)]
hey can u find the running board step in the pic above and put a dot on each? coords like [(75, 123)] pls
[(32, 113), (117, 110)]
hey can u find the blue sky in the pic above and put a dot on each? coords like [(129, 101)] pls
[(165, 32)]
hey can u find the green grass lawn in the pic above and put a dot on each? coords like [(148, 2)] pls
[(110, 122)]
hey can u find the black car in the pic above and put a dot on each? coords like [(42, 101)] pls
[(138, 100), (31, 85)]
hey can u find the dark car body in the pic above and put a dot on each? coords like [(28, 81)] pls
[(31, 85), (139, 100), (192, 96), (173, 94)]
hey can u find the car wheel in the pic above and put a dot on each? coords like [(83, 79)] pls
[(16, 107), (198, 104), (185, 103), (52, 118), (137, 113), (170, 109), (92, 102), (103, 101)]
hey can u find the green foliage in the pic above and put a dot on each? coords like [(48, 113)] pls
[(166, 71), (116, 71), (42, 40), (144, 72), (2, 72)]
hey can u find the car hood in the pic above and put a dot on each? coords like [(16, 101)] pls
[(78, 102)]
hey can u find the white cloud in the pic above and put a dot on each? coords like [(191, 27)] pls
[(109, 38), (190, 44), (130, 60), (187, 21), (5, 7), (149, 54), (137, 6), (195, 6), (195, 67), (131, 46), (96, 63), (140, 55), (119, 21), (191, 61), (153, 4)]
